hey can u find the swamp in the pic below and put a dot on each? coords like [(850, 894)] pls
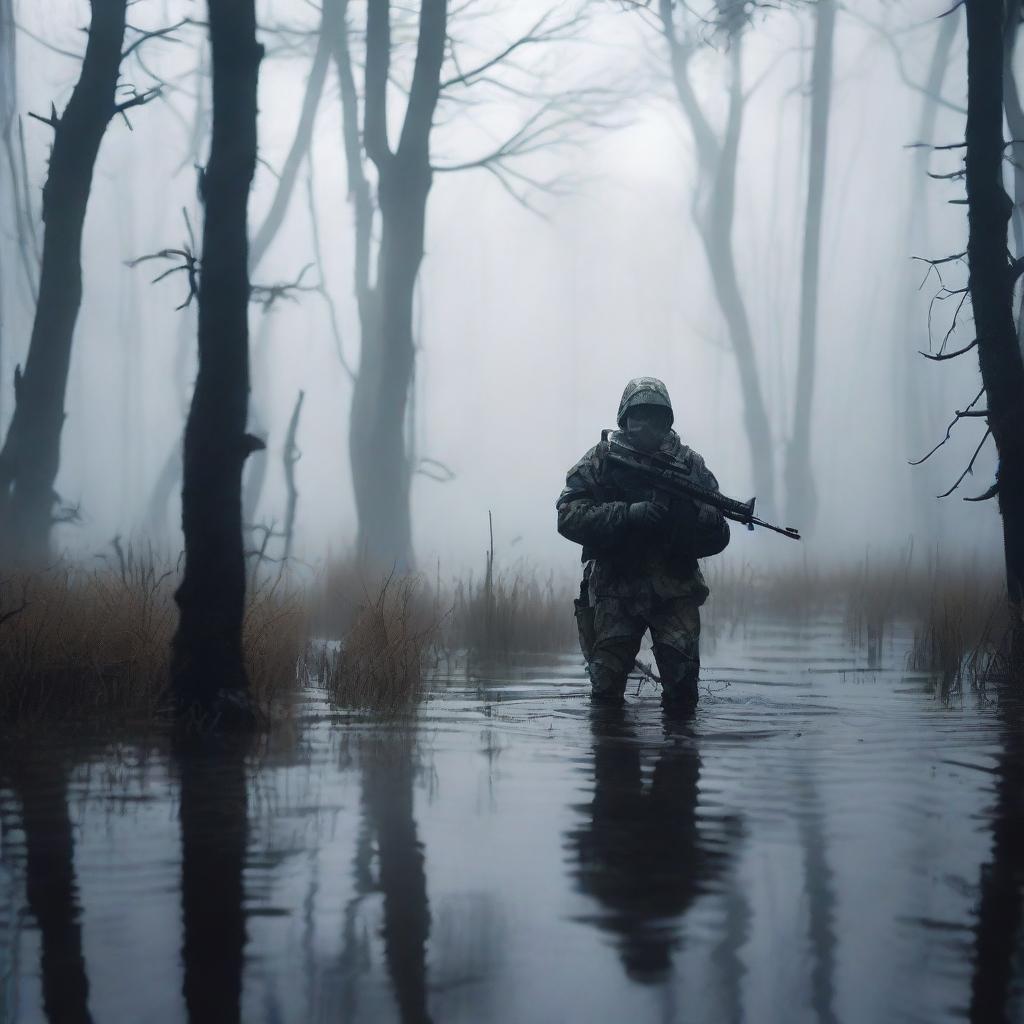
[(364, 656)]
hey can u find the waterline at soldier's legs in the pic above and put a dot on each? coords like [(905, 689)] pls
[(619, 627)]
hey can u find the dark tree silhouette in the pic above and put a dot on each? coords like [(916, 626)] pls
[(388, 775), (997, 929), (39, 778), (801, 493), (207, 665), (214, 837), (991, 284), (30, 456)]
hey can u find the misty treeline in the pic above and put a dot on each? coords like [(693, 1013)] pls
[(406, 96)]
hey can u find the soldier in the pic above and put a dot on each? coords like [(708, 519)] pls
[(641, 567)]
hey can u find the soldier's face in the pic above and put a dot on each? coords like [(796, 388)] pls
[(646, 426)]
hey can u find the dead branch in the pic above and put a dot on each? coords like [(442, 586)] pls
[(990, 493), (167, 34), (941, 356), (265, 295), (53, 120), (435, 470), (970, 465), (949, 430)]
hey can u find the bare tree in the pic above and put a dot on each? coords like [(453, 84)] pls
[(714, 205), (207, 665), (30, 456), (383, 460), (991, 287), (801, 493)]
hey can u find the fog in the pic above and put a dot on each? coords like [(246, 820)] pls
[(531, 315)]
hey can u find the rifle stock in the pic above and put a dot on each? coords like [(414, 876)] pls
[(668, 475)]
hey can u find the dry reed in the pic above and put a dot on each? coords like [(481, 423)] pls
[(379, 663), (94, 643)]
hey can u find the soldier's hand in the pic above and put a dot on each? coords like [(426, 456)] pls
[(648, 516)]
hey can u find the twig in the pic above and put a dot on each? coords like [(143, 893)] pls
[(970, 465)]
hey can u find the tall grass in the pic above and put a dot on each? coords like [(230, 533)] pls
[(379, 661), (81, 643)]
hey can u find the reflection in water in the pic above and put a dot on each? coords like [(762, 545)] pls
[(214, 831), (997, 936), (388, 773), (640, 852), (39, 778), (819, 884)]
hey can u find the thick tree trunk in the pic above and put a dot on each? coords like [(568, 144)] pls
[(381, 470), (988, 211), (801, 493), (30, 457), (207, 665)]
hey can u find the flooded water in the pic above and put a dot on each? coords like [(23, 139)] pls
[(824, 841)]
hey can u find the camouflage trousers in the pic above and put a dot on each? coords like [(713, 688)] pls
[(619, 627)]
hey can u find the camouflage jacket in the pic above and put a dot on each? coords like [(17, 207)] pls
[(592, 511)]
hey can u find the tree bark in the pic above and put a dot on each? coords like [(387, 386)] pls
[(991, 289), (714, 214), (801, 493), (30, 457), (207, 666)]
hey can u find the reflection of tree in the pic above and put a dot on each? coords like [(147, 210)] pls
[(40, 780), (997, 933), (819, 884), (639, 851), (388, 775), (213, 844)]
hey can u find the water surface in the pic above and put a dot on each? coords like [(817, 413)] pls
[(823, 841)]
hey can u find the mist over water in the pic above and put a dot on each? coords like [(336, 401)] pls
[(527, 326)]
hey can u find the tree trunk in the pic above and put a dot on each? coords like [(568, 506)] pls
[(801, 493), (264, 236), (30, 457), (909, 393), (207, 665), (988, 211), (291, 456), (714, 213), (381, 471)]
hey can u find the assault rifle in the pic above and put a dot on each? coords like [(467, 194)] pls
[(669, 479)]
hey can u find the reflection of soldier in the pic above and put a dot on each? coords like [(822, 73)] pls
[(639, 853), (642, 568)]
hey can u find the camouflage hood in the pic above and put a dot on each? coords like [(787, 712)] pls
[(643, 391)]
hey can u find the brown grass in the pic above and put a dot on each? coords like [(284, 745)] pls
[(380, 661), (82, 644), (506, 615)]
